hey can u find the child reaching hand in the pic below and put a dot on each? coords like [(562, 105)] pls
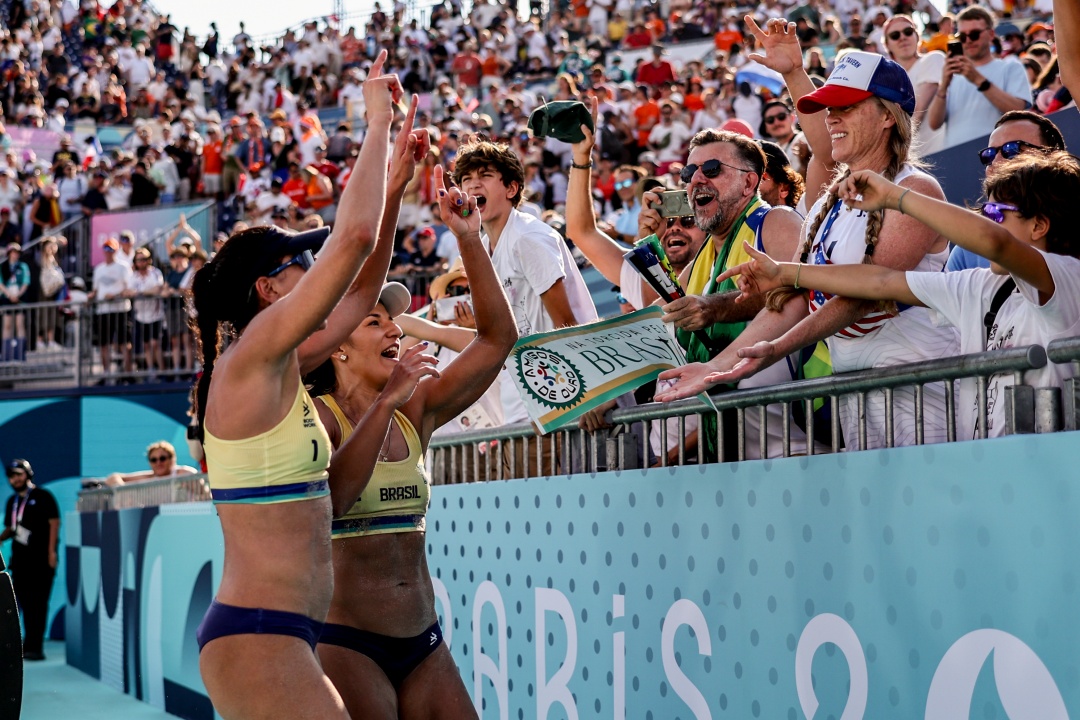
[(1026, 230)]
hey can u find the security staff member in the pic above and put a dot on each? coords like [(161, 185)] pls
[(32, 521)]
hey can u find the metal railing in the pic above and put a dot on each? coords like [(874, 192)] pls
[(74, 255), (517, 451), (95, 342), (145, 493), (744, 414)]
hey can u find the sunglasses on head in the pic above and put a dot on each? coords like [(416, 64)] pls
[(686, 222), (305, 260), (995, 210), (457, 290), (906, 32), (709, 168), (778, 117), (1008, 150), (623, 184), (973, 36)]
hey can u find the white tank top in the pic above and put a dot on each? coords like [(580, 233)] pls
[(841, 240)]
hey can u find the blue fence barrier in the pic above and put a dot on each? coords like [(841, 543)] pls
[(917, 582)]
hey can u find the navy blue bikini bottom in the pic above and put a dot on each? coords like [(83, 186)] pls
[(397, 657), (221, 620)]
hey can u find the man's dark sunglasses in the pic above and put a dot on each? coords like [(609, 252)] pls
[(1008, 150), (709, 168), (973, 36), (906, 32), (686, 222), (778, 117), (305, 260)]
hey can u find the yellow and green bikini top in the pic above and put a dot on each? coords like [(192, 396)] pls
[(397, 497)]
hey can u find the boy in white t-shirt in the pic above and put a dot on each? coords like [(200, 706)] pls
[(1027, 232), (538, 273)]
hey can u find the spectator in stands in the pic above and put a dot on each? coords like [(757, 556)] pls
[(780, 185), (627, 188), (9, 227), (144, 191), (146, 285), (901, 40), (162, 458), (869, 102), (111, 330), (15, 282), (1016, 133), (668, 138), (1029, 295), (94, 201), (52, 287), (45, 211), (976, 88)]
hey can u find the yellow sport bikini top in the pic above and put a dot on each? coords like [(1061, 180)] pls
[(397, 497), (283, 464)]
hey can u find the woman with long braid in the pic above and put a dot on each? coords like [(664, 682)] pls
[(267, 452), (869, 101)]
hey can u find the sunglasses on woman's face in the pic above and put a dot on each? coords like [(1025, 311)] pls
[(906, 32), (973, 36), (1008, 150), (685, 222), (778, 117), (457, 290), (709, 168), (305, 260), (623, 184), (995, 211)]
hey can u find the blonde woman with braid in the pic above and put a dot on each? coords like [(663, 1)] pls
[(867, 125)]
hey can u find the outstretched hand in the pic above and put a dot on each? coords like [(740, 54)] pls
[(381, 92), (457, 209), (757, 276), (866, 190), (583, 148), (682, 382), (779, 45), (412, 367), (755, 358)]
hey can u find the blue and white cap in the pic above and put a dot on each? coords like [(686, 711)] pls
[(857, 76)]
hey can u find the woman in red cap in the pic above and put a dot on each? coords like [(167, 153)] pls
[(868, 126)]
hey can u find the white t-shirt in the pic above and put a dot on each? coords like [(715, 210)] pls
[(147, 310), (963, 298), (677, 135), (968, 113), (927, 69), (111, 279), (529, 258)]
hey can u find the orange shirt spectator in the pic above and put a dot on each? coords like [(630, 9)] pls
[(320, 191), (726, 38), (212, 159), (656, 28), (646, 114), (295, 187), (693, 102)]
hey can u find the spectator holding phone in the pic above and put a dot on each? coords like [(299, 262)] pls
[(976, 88)]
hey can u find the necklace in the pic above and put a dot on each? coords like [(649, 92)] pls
[(384, 450)]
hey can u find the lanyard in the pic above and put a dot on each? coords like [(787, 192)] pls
[(17, 509)]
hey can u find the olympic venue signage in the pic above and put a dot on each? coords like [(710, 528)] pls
[(935, 582)]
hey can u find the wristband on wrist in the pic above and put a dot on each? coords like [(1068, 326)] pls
[(798, 272), (581, 167), (900, 202)]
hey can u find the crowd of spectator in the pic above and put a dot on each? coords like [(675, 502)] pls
[(241, 123)]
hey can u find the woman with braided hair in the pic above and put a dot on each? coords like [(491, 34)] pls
[(867, 126)]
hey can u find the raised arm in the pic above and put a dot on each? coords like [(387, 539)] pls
[(449, 336), (283, 326), (470, 374), (783, 54), (867, 191), (1067, 40), (409, 147), (602, 251)]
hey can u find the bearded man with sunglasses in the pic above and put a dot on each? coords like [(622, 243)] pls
[(976, 88)]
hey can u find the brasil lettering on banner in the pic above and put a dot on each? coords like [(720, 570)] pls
[(563, 374)]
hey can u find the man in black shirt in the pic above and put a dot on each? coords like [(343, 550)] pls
[(143, 189), (32, 521), (94, 199)]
